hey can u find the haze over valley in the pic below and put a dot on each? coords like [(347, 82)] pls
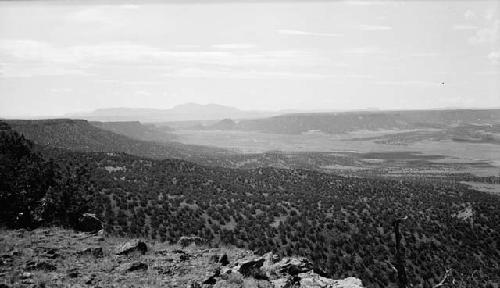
[(398, 143), (276, 144)]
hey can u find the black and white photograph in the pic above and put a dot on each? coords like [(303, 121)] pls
[(250, 143)]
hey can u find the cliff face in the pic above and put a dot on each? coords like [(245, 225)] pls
[(63, 258)]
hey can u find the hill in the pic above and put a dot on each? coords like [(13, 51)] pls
[(343, 224), (80, 135), (63, 258), (137, 130), (84, 136), (185, 112), (352, 121)]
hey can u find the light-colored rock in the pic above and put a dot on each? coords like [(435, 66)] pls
[(131, 267), (279, 273), (92, 251), (26, 275), (185, 241), (312, 280), (132, 246)]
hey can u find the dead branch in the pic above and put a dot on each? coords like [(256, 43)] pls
[(441, 283)]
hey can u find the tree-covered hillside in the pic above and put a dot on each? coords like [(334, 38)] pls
[(137, 130), (344, 224), (80, 135)]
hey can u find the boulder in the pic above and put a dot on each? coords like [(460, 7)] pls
[(92, 251), (184, 257), (194, 284), (40, 265), (214, 258), (223, 260), (251, 268), (210, 281), (279, 273), (211, 278), (131, 267), (90, 279), (133, 246), (26, 275), (313, 280), (89, 223), (293, 265), (288, 266), (73, 273), (6, 258), (51, 253), (185, 241), (137, 266)]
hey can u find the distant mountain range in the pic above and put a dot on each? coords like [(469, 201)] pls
[(342, 122), (185, 112)]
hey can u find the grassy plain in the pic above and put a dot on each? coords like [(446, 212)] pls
[(481, 159)]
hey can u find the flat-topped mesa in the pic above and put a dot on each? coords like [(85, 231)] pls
[(58, 121)]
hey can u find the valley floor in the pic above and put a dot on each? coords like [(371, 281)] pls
[(480, 159)]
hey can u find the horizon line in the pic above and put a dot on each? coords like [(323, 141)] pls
[(283, 111)]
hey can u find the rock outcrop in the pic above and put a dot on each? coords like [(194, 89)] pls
[(131, 267), (132, 246), (62, 258), (88, 222), (270, 271), (92, 251), (185, 241)]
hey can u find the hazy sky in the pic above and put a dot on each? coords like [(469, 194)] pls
[(60, 57)]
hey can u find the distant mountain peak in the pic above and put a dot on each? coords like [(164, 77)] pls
[(184, 112), (193, 104), (205, 107)]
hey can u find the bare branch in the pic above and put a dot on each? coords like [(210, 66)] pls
[(446, 275)]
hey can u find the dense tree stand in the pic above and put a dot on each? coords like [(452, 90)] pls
[(400, 255)]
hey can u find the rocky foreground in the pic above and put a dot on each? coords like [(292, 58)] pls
[(63, 258)]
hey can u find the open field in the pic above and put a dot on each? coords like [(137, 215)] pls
[(485, 187), (447, 156)]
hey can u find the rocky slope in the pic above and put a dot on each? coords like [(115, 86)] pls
[(62, 258)]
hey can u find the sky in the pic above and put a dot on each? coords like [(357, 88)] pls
[(59, 57)]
